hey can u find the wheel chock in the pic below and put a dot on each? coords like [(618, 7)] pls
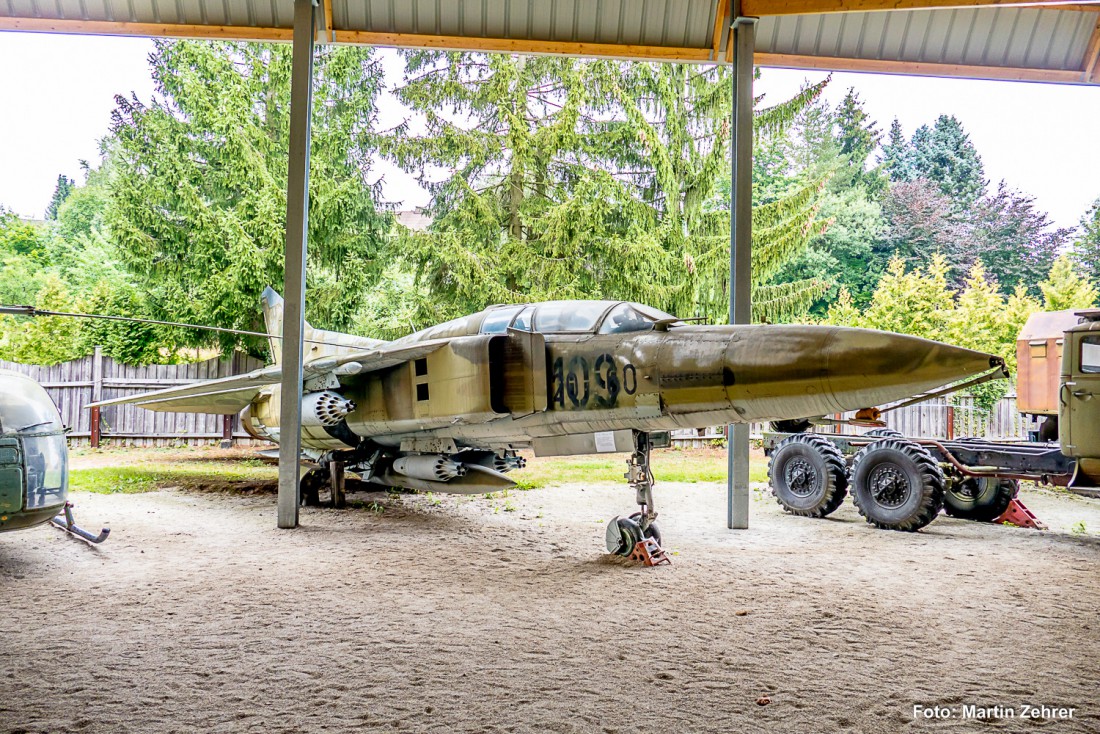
[(1018, 515), (649, 553)]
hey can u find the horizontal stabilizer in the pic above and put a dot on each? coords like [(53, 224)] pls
[(224, 396)]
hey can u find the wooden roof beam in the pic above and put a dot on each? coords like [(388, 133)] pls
[(522, 46), (763, 8), (721, 23), (1091, 67), (915, 68), (150, 30)]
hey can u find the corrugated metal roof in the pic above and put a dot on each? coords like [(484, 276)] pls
[(1043, 44), (1011, 37)]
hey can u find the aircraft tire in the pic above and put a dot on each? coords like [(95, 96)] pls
[(982, 499), (807, 474), (652, 531), (897, 485), (623, 533), (310, 487), (791, 426)]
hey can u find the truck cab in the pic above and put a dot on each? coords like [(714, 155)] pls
[(1079, 392)]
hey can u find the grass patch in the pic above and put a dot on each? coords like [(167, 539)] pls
[(151, 475), (146, 471), (687, 465)]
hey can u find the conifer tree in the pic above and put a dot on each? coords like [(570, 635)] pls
[(944, 155), (896, 157), (595, 179), (61, 192), (1086, 249), (198, 195)]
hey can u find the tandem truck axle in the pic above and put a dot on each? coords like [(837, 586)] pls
[(902, 483)]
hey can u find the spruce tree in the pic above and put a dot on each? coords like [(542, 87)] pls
[(61, 192), (1086, 249), (896, 157), (197, 200), (586, 180), (944, 155)]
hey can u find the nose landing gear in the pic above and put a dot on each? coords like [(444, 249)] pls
[(638, 536)]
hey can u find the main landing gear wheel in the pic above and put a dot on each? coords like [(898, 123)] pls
[(807, 474), (980, 498), (309, 489), (791, 426), (897, 485)]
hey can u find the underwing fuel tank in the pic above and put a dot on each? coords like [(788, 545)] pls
[(780, 371)]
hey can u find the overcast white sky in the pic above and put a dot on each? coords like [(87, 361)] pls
[(57, 93)]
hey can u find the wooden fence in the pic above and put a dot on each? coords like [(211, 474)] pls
[(73, 385)]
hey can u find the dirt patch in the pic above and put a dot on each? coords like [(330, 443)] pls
[(414, 613)]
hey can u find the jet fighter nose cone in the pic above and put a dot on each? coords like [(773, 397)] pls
[(782, 372), (867, 367)]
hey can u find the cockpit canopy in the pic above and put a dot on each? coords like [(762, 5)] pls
[(573, 317), (25, 407)]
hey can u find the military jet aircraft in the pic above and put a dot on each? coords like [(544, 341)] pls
[(446, 409)]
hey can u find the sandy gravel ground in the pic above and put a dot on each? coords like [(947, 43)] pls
[(449, 614)]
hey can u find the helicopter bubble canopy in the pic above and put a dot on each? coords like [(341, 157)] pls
[(25, 407), (31, 429)]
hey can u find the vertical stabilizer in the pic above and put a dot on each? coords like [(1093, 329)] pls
[(319, 343), (272, 304)]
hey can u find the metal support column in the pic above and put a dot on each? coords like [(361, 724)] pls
[(294, 284), (743, 38)]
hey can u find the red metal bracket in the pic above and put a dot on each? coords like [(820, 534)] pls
[(648, 552), (1018, 514)]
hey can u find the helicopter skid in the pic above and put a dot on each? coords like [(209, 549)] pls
[(65, 521)]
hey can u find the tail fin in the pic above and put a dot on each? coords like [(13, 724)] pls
[(324, 342), (273, 317)]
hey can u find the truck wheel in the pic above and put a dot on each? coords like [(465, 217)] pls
[(1048, 431), (791, 426), (807, 473), (980, 498), (896, 484), (883, 433)]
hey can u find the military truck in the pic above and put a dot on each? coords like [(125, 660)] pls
[(902, 483)]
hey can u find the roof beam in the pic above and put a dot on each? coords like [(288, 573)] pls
[(151, 30), (919, 68), (326, 18), (721, 22), (763, 8), (1091, 68), (522, 46)]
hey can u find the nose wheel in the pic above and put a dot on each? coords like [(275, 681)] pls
[(638, 536)]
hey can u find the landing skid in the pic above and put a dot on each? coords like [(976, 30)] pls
[(65, 521)]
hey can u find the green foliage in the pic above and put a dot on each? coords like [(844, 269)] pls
[(1066, 288), (197, 199), (61, 192), (23, 253), (916, 302), (944, 155), (895, 158), (858, 136), (1086, 249), (587, 180), (43, 340)]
